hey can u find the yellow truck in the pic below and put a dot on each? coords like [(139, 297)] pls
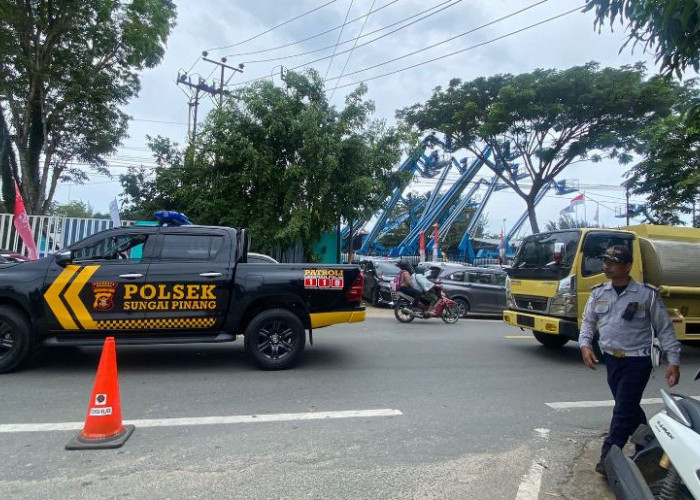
[(552, 273)]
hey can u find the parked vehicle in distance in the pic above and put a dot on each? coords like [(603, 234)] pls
[(260, 258), (475, 289), (424, 266), (378, 277)]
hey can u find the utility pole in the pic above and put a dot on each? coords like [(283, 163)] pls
[(627, 210), (198, 87), (223, 67)]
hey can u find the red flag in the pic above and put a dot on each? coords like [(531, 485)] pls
[(21, 223)]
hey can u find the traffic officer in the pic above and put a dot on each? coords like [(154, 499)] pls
[(624, 311)]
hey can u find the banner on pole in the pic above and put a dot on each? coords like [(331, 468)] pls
[(114, 213), (21, 223)]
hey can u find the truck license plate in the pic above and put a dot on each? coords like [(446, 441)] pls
[(526, 320)]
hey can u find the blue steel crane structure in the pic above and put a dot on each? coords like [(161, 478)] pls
[(436, 213), (466, 249)]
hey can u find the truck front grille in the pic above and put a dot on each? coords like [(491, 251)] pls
[(530, 303)]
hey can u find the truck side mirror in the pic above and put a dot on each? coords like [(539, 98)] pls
[(64, 257)]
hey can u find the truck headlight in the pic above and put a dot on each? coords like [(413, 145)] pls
[(510, 301), (564, 302)]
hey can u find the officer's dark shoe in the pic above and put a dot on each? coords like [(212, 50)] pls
[(600, 469)]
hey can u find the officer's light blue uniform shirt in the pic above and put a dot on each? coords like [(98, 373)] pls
[(605, 309)]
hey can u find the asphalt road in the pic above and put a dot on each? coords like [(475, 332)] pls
[(469, 419)]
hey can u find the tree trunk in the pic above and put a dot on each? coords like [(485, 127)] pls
[(30, 174), (531, 214), (8, 166)]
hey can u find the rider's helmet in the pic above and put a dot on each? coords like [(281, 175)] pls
[(404, 264)]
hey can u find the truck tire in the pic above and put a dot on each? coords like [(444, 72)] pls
[(551, 341), (15, 339), (275, 339)]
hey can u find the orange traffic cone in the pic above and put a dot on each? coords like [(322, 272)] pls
[(103, 423)]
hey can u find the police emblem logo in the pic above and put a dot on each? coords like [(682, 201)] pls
[(104, 295)]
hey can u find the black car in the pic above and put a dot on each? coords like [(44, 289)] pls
[(378, 277), (475, 289)]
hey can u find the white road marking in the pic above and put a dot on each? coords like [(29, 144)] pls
[(600, 404), (529, 488), (231, 419)]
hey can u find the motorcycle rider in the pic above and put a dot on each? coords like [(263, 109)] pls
[(624, 312), (406, 283)]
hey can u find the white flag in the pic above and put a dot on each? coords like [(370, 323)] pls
[(595, 219), (114, 213)]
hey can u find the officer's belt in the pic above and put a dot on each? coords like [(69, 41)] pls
[(621, 353)]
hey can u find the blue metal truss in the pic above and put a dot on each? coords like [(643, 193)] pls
[(466, 249), (419, 163), (439, 212)]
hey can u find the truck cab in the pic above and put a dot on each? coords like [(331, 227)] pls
[(552, 274)]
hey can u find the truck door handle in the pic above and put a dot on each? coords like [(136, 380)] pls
[(131, 276), (210, 275)]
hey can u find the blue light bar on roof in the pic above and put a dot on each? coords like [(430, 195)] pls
[(172, 218)]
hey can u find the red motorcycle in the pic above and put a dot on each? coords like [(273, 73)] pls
[(406, 308)]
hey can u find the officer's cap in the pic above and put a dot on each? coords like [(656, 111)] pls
[(618, 253)]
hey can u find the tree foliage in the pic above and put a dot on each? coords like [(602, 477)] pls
[(568, 222), (669, 175), (544, 121), (279, 161), (669, 28), (65, 69), (75, 208)]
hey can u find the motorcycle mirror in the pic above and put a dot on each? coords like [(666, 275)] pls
[(697, 375)]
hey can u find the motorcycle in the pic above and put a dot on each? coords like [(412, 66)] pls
[(406, 308), (668, 465)]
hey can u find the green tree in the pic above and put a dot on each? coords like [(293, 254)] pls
[(567, 222), (670, 28), (148, 189), (281, 162), (75, 208), (548, 119), (65, 69), (669, 175)]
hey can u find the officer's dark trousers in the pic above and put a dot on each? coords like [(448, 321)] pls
[(627, 378)]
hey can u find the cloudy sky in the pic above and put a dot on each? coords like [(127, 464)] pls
[(505, 42)]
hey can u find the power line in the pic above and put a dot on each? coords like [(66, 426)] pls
[(350, 40), (495, 21), (261, 51), (347, 14), (353, 48), (273, 28), (362, 45), (157, 121), (459, 51)]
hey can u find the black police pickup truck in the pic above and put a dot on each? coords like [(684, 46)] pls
[(171, 284)]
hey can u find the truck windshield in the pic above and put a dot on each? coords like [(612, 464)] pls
[(546, 255)]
